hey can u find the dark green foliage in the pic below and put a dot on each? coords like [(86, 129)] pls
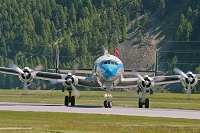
[(31, 30)]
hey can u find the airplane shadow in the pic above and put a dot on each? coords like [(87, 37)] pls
[(85, 106), (56, 105)]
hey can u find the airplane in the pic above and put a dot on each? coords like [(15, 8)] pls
[(108, 73)]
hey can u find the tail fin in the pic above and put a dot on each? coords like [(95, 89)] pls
[(57, 59)]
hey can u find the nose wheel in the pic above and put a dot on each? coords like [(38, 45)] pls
[(107, 104)]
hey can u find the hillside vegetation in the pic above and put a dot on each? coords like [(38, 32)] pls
[(31, 30)]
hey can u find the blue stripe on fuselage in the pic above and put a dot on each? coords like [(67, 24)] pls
[(110, 70)]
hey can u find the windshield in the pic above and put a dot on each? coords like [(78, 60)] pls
[(109, 62)]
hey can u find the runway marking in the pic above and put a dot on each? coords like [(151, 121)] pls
[(15, 128)]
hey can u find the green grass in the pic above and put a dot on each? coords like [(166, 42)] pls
[(95, 98), (46, 122)]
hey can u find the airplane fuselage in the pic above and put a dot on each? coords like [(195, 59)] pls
[(108, 68)]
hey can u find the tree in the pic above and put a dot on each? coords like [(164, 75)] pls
[(124, 29), (140, 37), (72, 13), (137, 22), (145, 20), (161, 9)]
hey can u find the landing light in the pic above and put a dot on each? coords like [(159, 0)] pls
[(108, 96)]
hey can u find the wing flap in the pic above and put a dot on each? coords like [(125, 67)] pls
[(80, 70), (48, 75), (167, 79), (129, 72)]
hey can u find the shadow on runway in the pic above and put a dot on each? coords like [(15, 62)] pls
[(85, 106), (56, 105), (27, 104)]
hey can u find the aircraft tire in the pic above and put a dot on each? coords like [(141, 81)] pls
[(66, 101), (109, 104), (147, 103), (140, 104), (72, 101), (105, 104)]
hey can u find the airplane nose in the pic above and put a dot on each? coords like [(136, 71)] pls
[(109, 72)]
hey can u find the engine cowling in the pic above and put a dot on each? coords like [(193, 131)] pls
[(69, 79), (192, 80), (148, 83), (28, 75)]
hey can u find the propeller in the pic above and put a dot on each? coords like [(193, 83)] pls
[(145, 83), (190, 79), (25, 73), (68, 80)]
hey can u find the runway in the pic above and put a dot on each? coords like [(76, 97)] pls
[(128, 111)]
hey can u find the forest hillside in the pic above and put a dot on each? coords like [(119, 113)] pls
[(31, 30)]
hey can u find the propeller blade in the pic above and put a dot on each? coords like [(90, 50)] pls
[(178, 71), (16, 68), (38, 68), (75, 67), (25, 88), (138, 75), (188, 91), (99, 82), (76, 92)]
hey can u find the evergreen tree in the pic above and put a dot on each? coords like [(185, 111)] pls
[(161, 9), (140, 37)]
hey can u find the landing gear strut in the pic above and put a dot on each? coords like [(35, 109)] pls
[(69, 99), (145, 103)]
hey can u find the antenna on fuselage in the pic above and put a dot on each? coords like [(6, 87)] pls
[(156, 64), (57, 59), (105, 51)]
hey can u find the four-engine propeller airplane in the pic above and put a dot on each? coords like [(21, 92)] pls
[(108, 73)]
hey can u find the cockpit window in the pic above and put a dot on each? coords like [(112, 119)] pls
[(109, 62)]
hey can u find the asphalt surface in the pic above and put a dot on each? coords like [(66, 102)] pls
[(128, 111)]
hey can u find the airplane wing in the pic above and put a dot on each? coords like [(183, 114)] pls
[(129, 72), (133, 82), (80, 70), (82, 80)]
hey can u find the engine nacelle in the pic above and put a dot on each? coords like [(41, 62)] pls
[(192, 80), (148, 83), (28, 75), (70, 79)]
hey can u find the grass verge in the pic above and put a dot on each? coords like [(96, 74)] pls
[(47, 122)]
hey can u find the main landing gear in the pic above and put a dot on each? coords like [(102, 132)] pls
[(69, 99), (145, 103)]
